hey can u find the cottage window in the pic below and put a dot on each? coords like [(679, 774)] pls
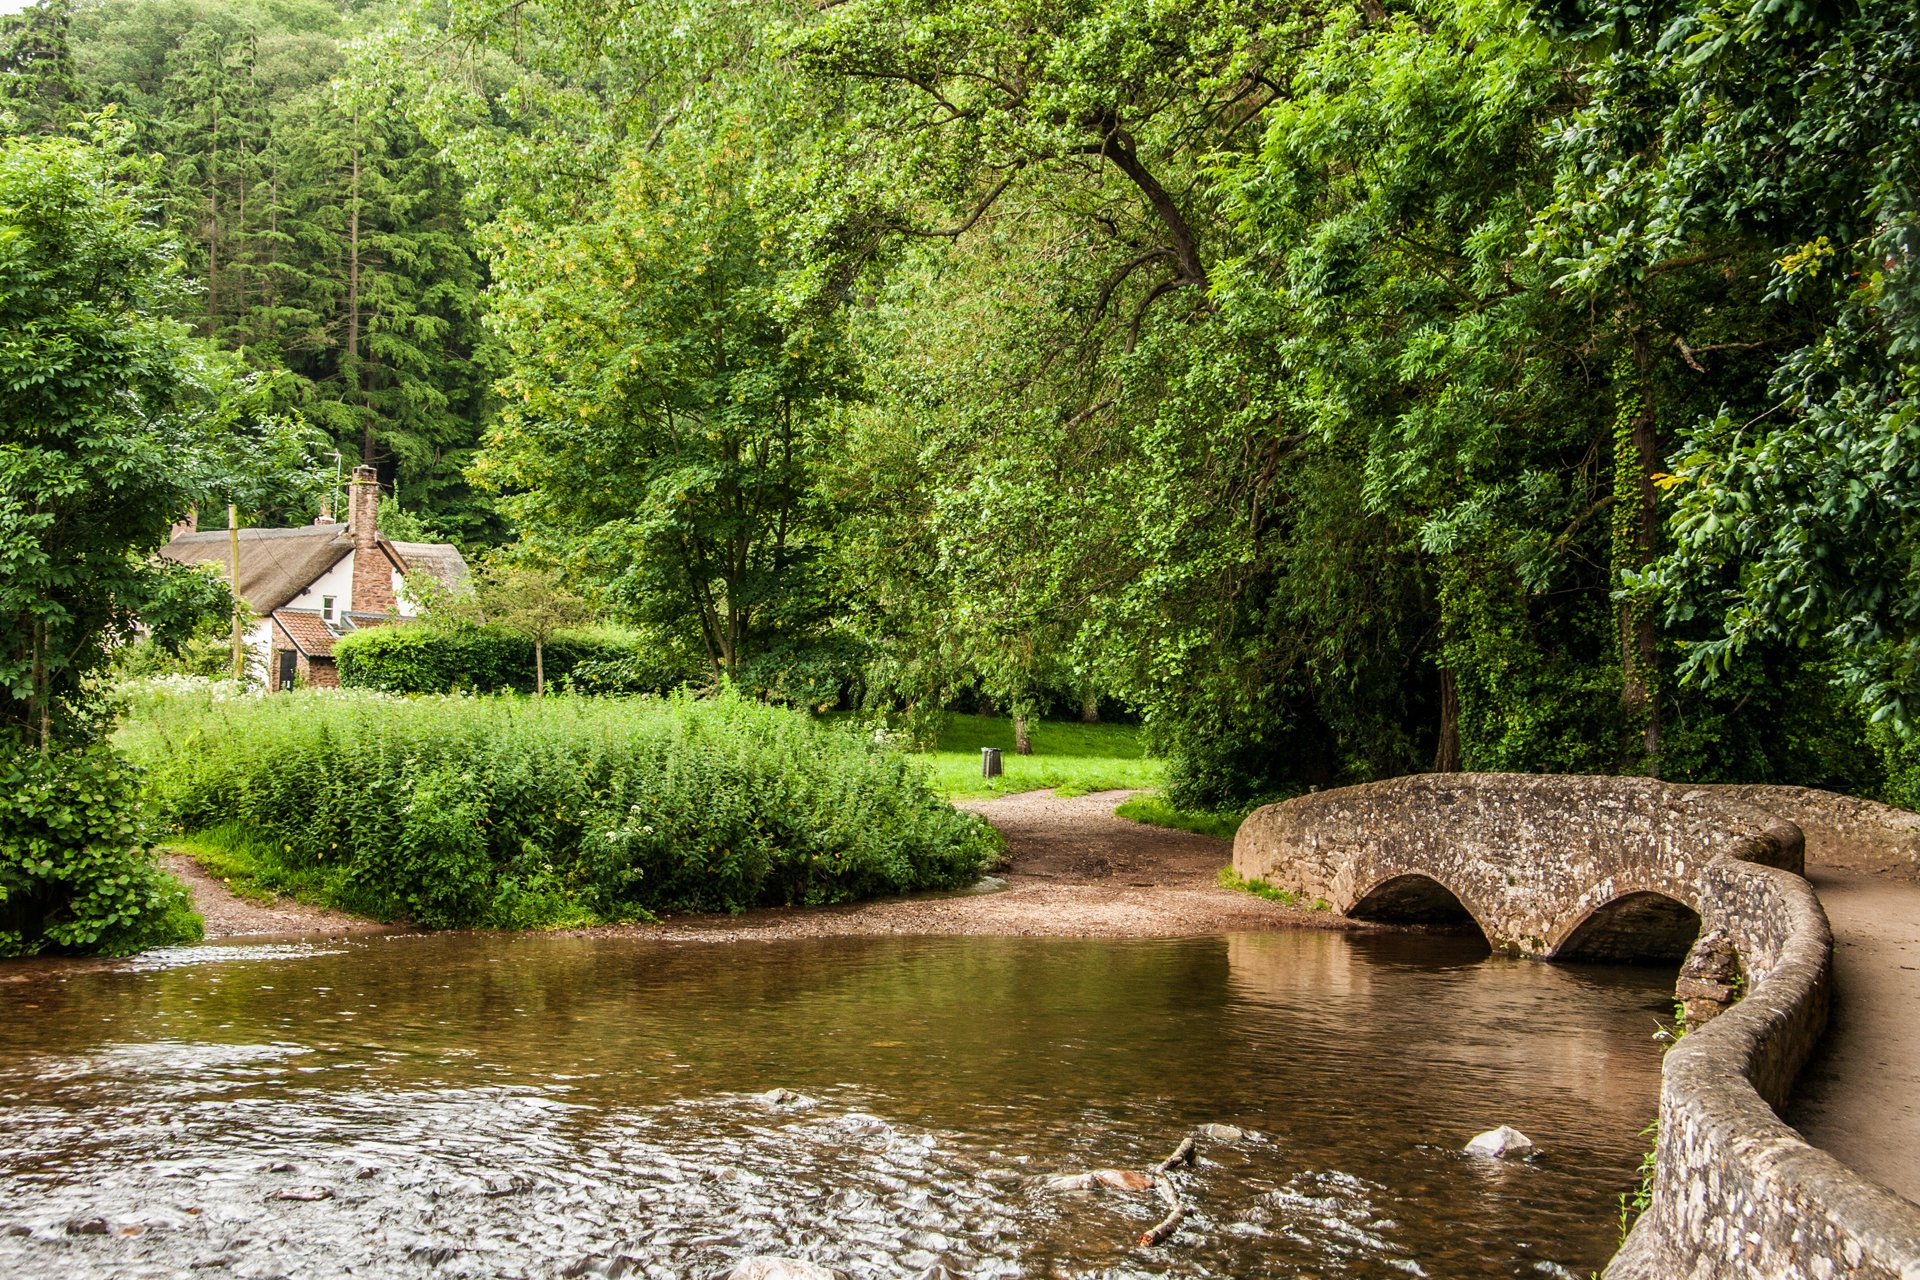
[(326, 607)]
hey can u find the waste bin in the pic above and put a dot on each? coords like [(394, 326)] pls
[(989, 762)]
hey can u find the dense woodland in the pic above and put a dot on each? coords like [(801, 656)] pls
[(1345, 390)]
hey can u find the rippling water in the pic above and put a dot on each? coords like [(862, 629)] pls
[(468, 1105)]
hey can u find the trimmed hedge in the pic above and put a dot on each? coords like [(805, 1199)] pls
[(421, 658), (517, 812)]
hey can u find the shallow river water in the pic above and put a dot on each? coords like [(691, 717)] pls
[(470, 1105)]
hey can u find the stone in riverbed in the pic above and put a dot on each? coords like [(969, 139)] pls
[(1117, 1179), (1223, 1132), (302, 1194), (779, 1098), (771, 1268), (1504, 1143)]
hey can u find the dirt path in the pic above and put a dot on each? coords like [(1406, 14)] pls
[(230, 916), (1860, 1096), (1076, 871)]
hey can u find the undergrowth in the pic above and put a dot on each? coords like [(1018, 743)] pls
[(512, 812)]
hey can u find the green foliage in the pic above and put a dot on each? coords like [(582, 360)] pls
[(113, 421), (431, 658), (76, 871), (510, 812), (663, 409), (1158, 811)]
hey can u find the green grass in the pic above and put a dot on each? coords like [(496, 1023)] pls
[(1157, 811), (1231, 879), (1070, 757)]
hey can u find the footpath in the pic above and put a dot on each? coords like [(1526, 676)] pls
[(1860, 1096)]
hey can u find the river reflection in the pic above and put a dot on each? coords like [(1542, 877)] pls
[(474, 1105)]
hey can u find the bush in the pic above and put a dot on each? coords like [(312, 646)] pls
[(424, 658), (75, 870), (511, 812)]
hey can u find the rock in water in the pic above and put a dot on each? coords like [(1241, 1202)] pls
[(1504, 1143), (1070, 1182), (1223, 1132), (778, 1098), (1122, 1179), (781, 1269)]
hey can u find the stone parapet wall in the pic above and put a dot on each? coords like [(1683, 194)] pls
[(1737, 1193), (1844, 830)]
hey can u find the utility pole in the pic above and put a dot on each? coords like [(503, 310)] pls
[(233, 582)]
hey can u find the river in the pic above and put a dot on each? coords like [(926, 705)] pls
[(469, 1105)]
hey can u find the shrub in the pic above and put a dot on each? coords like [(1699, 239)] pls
[(75, 870), (423, 658), (509, 811)]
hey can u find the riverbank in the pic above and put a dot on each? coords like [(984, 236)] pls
[(1073, 870)]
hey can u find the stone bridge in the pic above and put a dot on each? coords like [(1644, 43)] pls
[(1629, 868), (1552, 866)]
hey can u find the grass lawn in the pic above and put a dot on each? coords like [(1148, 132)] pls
[(1071, 757)]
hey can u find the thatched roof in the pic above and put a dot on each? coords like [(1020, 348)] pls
[(275, 564), (278, 564)]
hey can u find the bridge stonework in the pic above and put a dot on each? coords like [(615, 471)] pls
[(1623, 867), (1547, 866)]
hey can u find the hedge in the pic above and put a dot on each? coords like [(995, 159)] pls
[(418, 658)]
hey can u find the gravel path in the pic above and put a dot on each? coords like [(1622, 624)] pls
[(1860, 1096)]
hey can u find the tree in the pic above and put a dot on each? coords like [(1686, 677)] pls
[(114, 422), (527, 598), (1765, 153), (39, 85), (663, 408)]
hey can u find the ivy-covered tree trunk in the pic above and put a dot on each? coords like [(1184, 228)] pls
[(1636, 532)]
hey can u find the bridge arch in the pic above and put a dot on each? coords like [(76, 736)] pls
[(1415, 898), (1643, 925)]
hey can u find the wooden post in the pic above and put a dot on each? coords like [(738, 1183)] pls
[(233, 582)]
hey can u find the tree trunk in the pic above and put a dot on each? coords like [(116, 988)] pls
[(1090, 708), (1636, 528), (1022, 744), (539, 669), (40, 712), (233, 582), (1446, 755)]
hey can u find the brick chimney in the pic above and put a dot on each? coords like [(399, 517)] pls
[(372, 571)]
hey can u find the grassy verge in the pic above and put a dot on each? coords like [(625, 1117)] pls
[(1156, 811), (1070, 757)]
